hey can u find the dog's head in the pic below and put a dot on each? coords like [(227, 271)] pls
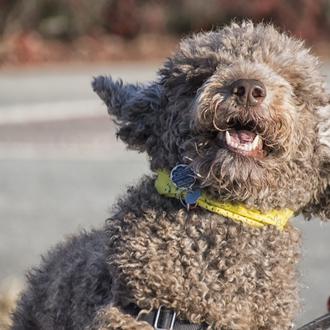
[(245, 107)]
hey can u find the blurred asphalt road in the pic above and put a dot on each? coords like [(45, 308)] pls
[(61, 168)]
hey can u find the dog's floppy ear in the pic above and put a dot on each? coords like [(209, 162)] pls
[(135, 108), (321, 205), (184, 74)]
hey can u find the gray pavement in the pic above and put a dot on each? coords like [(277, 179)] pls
[(58, 83), (61, 168)]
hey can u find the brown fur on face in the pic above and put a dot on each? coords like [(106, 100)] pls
[(289, 175), (182, 117)]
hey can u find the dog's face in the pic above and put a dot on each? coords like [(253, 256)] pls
[(246, 108)]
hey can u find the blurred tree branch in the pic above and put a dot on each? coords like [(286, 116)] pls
[(27, 27)]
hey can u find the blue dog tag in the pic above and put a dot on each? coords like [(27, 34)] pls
[(183, 176), (192, 197)]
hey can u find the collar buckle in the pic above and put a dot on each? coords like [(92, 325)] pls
[(163, 317)]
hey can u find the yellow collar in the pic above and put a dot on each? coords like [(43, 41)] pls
[(237, 212)]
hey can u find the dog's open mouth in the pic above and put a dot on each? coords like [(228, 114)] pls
[(244, 142)]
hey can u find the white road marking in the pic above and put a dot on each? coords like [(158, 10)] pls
[(49, 111)]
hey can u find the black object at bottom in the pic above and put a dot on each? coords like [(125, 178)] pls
[(321, 323), (164, 319)]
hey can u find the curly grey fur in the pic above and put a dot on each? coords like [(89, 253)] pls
[(69, 287), (208, 268)]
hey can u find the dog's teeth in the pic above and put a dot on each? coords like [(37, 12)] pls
[(246, 147), (228, 138), (255, 142)]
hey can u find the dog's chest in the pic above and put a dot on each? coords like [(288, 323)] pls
[(199, 263)]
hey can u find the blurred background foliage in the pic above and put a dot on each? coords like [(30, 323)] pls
[(37, 30)]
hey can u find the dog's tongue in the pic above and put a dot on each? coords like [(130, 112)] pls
[(242, 136)]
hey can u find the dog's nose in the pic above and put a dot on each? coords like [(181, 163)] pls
[(248, 91)]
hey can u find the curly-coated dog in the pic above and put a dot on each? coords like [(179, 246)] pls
[(237, 130)]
